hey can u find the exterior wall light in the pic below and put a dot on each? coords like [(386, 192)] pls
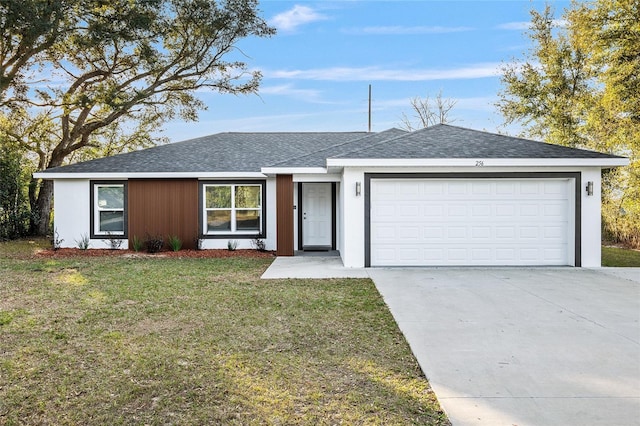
[(589, 188), (358, 188)]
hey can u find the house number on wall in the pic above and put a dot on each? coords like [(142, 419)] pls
[(479, 163)]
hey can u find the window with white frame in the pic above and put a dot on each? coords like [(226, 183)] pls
[(109, 208), (232, 209)]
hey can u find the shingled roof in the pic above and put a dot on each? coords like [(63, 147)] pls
[(250, 152), (446, 141), (222, 152)]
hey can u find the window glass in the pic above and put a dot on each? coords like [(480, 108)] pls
[(218, 197), (111, 221), (111, 197), (248, 220), (230, 208), (248, 197), (219, 220)]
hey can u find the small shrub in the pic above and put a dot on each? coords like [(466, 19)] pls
[(258, 243), (154, 244), (56, 241), (83, 243), (113, 241), (174, 242), (198, 242), (232, 245), (136, 243)]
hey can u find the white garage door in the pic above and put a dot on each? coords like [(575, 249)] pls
[(421, 222)]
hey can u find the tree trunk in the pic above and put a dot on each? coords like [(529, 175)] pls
[(45, 196)]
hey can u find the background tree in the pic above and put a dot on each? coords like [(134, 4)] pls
[(579, 86), (427, 112), (14, 210), (27, 29), (129, 65)]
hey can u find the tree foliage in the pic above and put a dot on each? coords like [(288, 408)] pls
[(14, 210), (579, 86), (28, 28), (116, 70)]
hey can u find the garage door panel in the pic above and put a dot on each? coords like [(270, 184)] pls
[(481, 211), (469, 222), (480, 188), (481, 254), (481, 233)]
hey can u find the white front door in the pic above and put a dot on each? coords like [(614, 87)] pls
[(316, 216)]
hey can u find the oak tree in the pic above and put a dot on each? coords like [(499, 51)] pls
[(124, 64)]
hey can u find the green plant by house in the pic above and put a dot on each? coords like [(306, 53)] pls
[(83, 243), (136, 243), (174, 242), (232, 245)]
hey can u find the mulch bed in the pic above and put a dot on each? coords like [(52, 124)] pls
[(197, 254)]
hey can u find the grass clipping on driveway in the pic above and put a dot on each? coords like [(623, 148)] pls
[(198, 341)]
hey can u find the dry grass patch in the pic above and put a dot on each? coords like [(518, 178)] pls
[(198, 341)]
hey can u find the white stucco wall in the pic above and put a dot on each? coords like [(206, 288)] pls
[(296, 204), (591, 219), (351, 241), (72, 213), (71, 210)]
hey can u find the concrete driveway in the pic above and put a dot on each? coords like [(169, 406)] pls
[(523, 346)]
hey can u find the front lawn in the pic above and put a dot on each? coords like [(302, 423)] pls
[(117, 340), (614, 256)]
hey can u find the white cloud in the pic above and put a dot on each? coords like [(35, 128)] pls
[(525, 25), (522, 25), (386, 74), (289, 90), (400, 30), (290, 20)]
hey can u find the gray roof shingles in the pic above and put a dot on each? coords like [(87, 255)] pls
[(446, 141), (222, 152), (249, 152)]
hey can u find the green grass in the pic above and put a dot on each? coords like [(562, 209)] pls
[(119, 341), (613, 256)]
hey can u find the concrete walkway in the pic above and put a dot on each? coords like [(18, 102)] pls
[(517, 346), (311, 267)]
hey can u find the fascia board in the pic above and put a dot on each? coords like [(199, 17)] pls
[(293, 170), (476, 162), (165, 175)]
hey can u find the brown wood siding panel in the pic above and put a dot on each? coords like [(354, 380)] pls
[(164, 207), (284, 215)]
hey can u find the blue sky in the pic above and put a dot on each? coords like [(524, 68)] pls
[(317, 69)]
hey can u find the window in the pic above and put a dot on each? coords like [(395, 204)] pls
[(109, 203), (233, 209)]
